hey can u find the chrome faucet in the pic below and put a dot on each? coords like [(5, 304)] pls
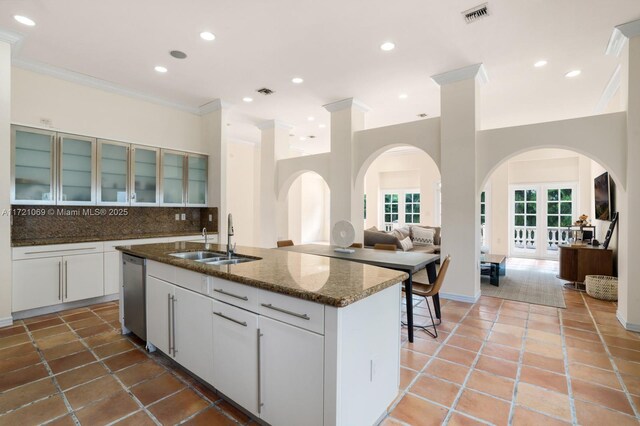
[(206, 238), (230, 249)]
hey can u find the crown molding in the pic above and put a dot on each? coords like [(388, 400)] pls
[(10, 37), (96, 83), (346, 103), (476, 71), (620, 35), (274, 124), (214, 105), (611, 88)]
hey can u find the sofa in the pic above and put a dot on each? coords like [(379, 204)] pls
[(373, 236)]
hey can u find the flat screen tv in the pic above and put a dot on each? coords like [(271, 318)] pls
[(605, 193)]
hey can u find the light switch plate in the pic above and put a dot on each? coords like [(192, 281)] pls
[(177, 216), (183, 216), (210, 218)]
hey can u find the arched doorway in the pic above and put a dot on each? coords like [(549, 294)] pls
[(401, 188), (307, 204), (529, 201)]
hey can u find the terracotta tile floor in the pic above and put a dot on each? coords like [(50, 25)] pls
[(495, 361)]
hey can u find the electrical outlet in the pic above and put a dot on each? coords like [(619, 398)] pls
[(183, 216), (177, 216), (46, 122), (210, 218)]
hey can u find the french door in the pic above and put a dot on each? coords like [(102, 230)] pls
[(400, 208), (540, 215)]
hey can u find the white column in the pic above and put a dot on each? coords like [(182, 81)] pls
[(274, 146), (629, 200), (347, 117), (5, 182), (459, 109), (214, 134)]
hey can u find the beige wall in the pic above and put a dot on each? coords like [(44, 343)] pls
[(84, 110), (5, 184), (409, 169), (241, 191)]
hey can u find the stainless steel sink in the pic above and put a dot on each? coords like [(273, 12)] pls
[(197, 255), (226, 261)]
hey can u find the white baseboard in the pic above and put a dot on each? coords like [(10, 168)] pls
[(627, 325), (5, 322), (460, 297), (64, 306)]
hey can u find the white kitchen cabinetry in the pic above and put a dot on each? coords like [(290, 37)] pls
[(291, 374), (235, 355), (159, 307), (50, 275), (192, 321)]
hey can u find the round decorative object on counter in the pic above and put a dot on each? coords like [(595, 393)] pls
[(343, 234)]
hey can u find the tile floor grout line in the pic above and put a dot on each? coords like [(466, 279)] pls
[(472, 367), (565, 356), (53, 378), (635, 409), (516, 383)]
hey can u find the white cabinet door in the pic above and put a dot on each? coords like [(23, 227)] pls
[(83, 276), (235, 354), (292, 372), (111, 272), (193, 333), (158, 313), (36, 283)]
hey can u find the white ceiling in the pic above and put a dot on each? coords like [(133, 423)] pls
[(334, 46)]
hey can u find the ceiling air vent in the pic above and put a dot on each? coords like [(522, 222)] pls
[(475, 13), (265, 91)]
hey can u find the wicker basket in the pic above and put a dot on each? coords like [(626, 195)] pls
[(602, 287)]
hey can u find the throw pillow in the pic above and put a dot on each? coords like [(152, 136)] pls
[(422, 236), (406, 244), (402, 232)]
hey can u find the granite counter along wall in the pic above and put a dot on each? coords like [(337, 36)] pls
[(69, 224)]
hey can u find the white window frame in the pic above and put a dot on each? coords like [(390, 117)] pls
[(401, 207), (541, 251)]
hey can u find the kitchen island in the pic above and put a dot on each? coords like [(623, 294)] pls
[(294, 339)]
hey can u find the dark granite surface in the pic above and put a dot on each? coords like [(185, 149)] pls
[(75, 224), (319, 279)]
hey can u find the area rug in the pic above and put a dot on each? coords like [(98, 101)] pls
[(531, 285)]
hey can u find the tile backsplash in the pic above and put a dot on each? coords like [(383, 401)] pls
[(58, 224)]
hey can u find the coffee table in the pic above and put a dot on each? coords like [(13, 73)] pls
[(493, 265)]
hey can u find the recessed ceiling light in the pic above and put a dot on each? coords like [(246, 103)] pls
[(24, 20), (297, 80), (541, 63), (387, 46), (160, 69), (573, 73), (310, 118), (403, 96), (322, 126), (302, 138), (206, 35), (247, 99)]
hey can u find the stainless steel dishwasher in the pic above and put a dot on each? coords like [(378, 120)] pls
[(134, 272)]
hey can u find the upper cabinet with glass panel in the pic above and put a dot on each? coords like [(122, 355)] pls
[(33, 166), (55, 168), (76, 173)]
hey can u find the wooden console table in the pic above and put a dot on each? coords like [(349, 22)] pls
[(576, 262)]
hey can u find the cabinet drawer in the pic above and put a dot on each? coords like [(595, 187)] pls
[(162, 271), (56, 250), (111, 245), (243, 296), (294, 311)]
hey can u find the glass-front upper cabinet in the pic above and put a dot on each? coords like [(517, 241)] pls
[(33, 166), (144, 176), (113, 173), (173, 177), (76, 174), (196, 180)]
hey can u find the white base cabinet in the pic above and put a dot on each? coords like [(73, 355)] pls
[(292, 362), (83, 276), (292, 374)]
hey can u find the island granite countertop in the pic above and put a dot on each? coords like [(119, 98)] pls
[(319, 279)]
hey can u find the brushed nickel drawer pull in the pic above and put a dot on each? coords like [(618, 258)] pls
[(220, 314), (221, 291), (284, 311)]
